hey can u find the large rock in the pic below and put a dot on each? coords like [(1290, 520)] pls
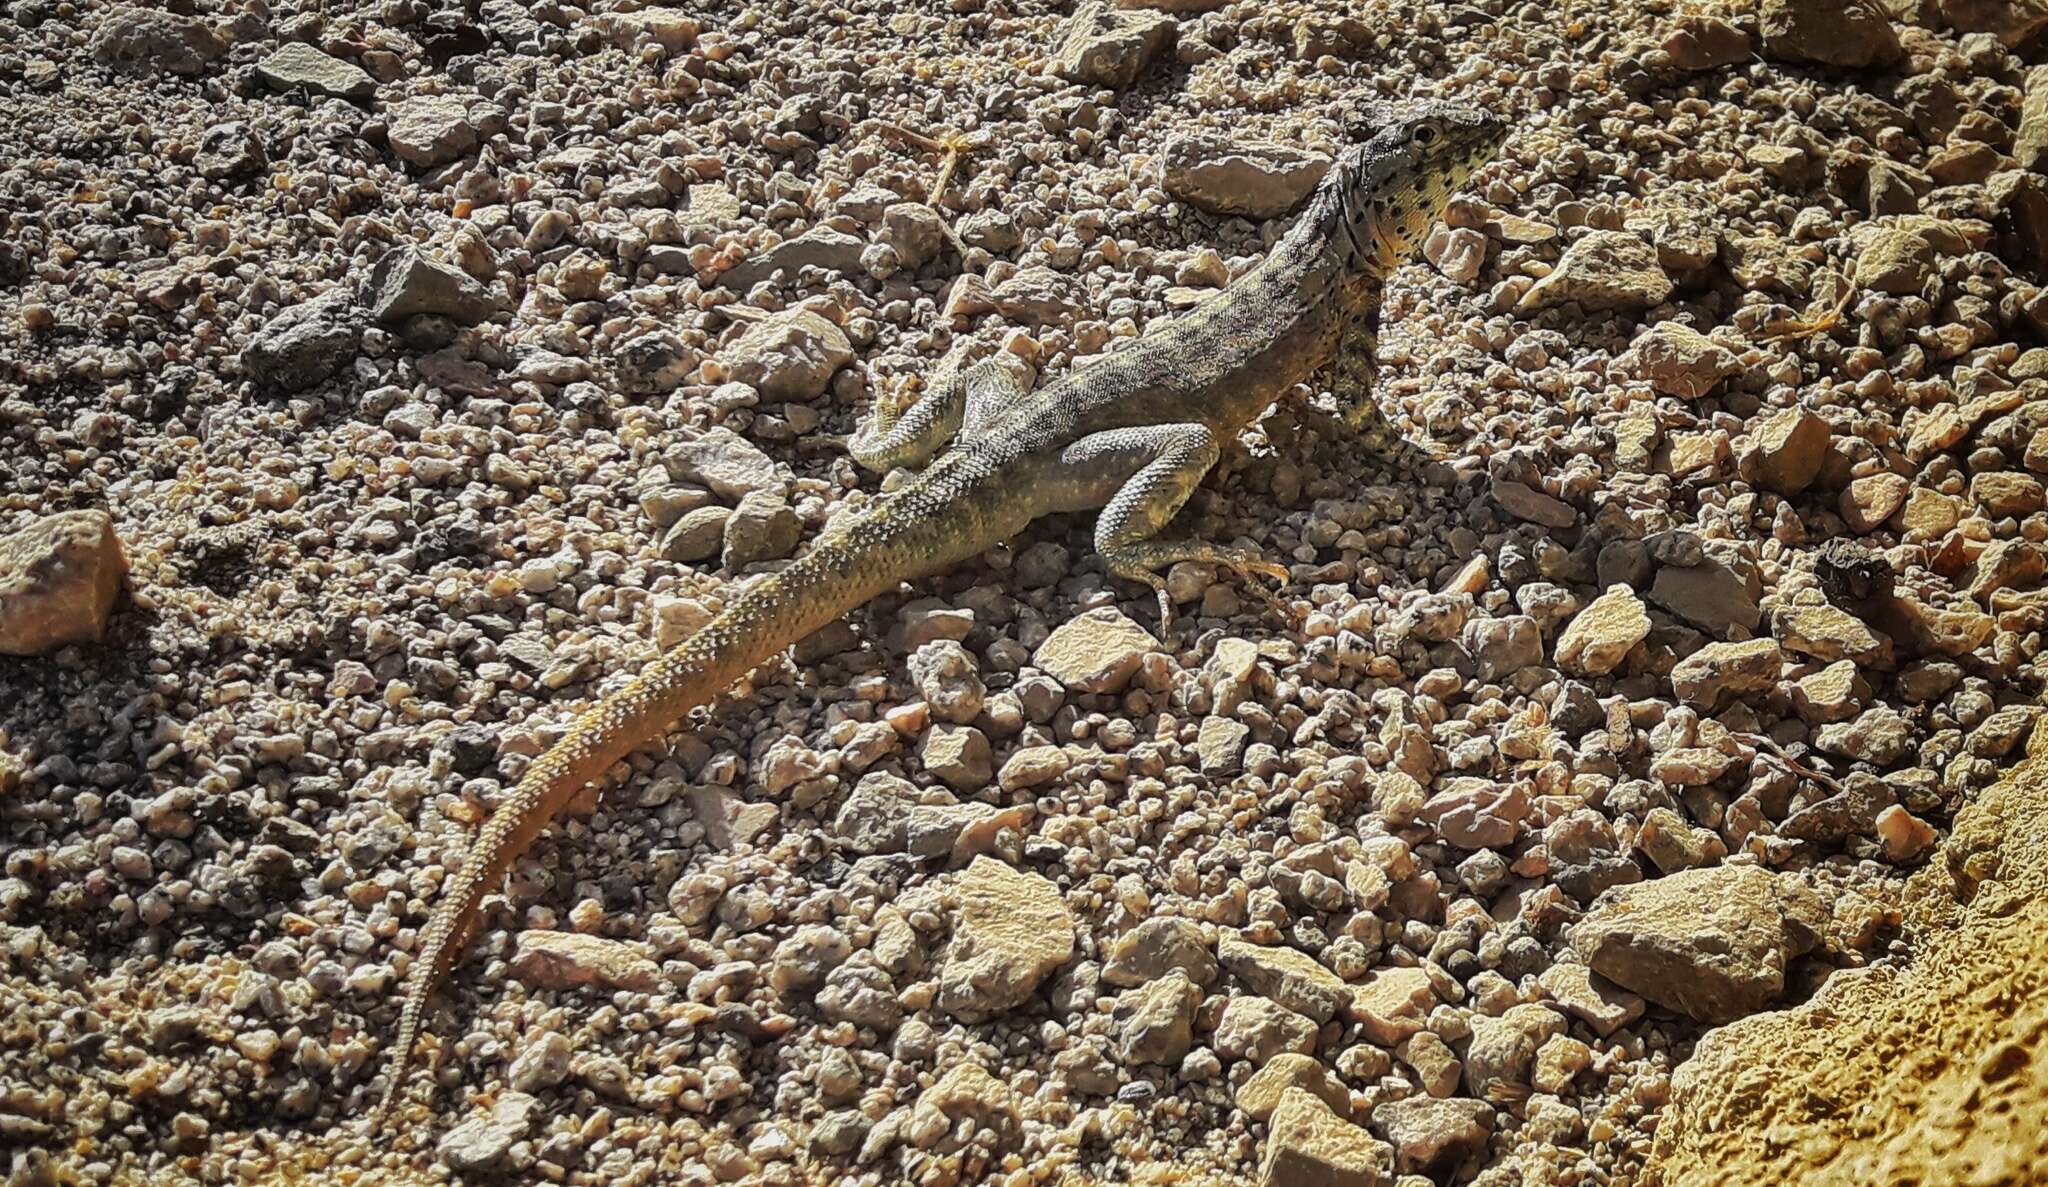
[(1711, 943), (430, 130), (1678, 360), (1604, 270), (407, 281), (1106, 48), (885, 815), (166, 40), (790, 355), (1157, 947), (1096, 652), (1291, 978), (481, 1143), (306, 344), (1433, 1137), (1155, 1022), (1789, 447), (1309, 1146), (296, 65), (58, 580), (570, 960), (724, 461), (1011, 931), (1599, 637), (1830, 32), (823, 248), (1255, 179)]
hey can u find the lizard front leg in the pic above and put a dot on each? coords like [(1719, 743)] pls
[(992, 390), (1352, 374), (1155, 469)]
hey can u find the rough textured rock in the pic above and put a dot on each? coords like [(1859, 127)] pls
[(1599, 637), (1720, 671), (1432, 1137), (306, 344), (1261, 1095), (1105, 47), (1157, 947), (178, 43), (791, 355), (481, 1143), (1680, 361), (1604, 270), (1309, 1146), (1095, 652), (1251, 178), (295, 65), (568, 960), (1011, 931), (729, 464), (431, 130), (1290, 978), (1828, 32), (407, 281), (1926, 1071), (59, 577), (1712, 943), (1155, 1021), (884, 815)]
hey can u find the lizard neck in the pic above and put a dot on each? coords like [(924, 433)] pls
[(1329, 258)]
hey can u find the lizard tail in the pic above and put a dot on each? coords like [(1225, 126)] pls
[(813, 591)]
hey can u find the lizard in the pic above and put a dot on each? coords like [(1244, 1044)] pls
[(1130, 434)]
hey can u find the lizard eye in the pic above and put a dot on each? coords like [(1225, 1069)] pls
[(1424, 135)]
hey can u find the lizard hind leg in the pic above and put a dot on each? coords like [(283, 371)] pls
[(895, 435), (1156, 468)]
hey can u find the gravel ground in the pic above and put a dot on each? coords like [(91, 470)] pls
[(426, 367)]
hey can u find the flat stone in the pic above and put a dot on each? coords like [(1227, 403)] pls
[(59, 577), (1392, 1004), (1710, 595), (571, 960), (1600, 636), (1155, 1021), (698, 535), (1291, 978), (958, 755), (1260, 1096), (823, 248), (883, 814), (729, 464), (1711, 943), (296, 64), (1720, 671), (1219, 744), (481, 1143), (1309, 1146), (1828, 633), (1010, 931), (1604, 270), (1255, 179), (1526, 503), (1835, 693), (1096, 652), (1590, 997)]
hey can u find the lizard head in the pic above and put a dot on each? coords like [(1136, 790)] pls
[(1393, 187)]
